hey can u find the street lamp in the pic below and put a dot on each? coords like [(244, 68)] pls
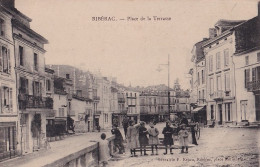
[(159, 70)]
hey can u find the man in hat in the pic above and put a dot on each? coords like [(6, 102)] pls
[(168, 137)]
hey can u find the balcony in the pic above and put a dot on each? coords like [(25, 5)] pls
[(96, 98), (253, 86), (98, 113), (121, 100), (30, 101), (218, 95)]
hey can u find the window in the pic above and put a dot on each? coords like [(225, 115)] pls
[(202, 77), (212, 111), (61, 112), (211, 88), (24, 86), (228, 111), (2, 27), (227, 82), (253, 74), (226, 58), (247, 77), (247, 60), (258, 57), (218, 60), (211, 63), (5, 65), (218, 83), (198, 78), (7, 103), (35, 62), (21, 56), (48, 85), (203, 95), (199, 95), (37, 91)]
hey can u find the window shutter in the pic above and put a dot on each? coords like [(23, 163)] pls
[(1, 59), (253, 74), (26, 86), (33, 88), (10, 99), (247, 77), (9, 61), (1, 97)]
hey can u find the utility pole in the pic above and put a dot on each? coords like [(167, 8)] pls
[(168, 90)]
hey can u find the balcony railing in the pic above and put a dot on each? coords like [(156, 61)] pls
[(98, 113), (253, 86), (218, 95), (96, 98), (30, 101), (121, 100)]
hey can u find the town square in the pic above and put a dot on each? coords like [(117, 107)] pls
[(93, 83)]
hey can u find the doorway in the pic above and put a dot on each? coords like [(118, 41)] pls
[(220, 114), (257, 107)]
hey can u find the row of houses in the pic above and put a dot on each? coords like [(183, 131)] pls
[(158, 105), (226, 73)]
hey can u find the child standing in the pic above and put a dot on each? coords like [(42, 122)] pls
[(104, 154), (183, 138), (153, 138), (168, 140), (143, 140)]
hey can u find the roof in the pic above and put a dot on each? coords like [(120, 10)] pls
[(247, 35), (29, 31), (228, 23)]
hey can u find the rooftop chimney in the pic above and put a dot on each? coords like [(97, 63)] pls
[(212, 33), (68, 76)]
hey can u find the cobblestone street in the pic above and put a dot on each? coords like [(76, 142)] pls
[(217, 147)]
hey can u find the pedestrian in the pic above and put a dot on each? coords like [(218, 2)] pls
[(132, 137), (153, 138), (168, 137), (143, 140), (118, 141), (183, 138), (193, 131), (125, 123), (104, 154), (185, 121)]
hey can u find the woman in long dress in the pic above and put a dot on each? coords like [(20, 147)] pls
[(133, 137)]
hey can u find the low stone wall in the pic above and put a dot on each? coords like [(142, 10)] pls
[(86, 157)]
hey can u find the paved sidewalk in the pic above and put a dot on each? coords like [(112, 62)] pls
[(59, 149)]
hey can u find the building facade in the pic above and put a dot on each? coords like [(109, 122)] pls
[(9, 126), (221, 106), (34, 103)]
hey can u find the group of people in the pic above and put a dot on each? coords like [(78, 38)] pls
[(138, 137)]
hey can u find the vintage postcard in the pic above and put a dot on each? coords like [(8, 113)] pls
[(131, 83)]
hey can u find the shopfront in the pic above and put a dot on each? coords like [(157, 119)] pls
[(8, 140)]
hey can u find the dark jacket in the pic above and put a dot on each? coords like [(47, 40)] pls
[(118, 135), (168, 132), (143, 140)]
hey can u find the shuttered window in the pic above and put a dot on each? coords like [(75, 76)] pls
[(218, 60), (226, 57), (5, 65), (247, 77), (227, 82)]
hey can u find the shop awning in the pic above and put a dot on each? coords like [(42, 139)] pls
[(196, 110)]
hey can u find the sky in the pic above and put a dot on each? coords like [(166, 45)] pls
[(131, 51)]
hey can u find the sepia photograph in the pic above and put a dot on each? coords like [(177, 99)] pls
[(129, 83)]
